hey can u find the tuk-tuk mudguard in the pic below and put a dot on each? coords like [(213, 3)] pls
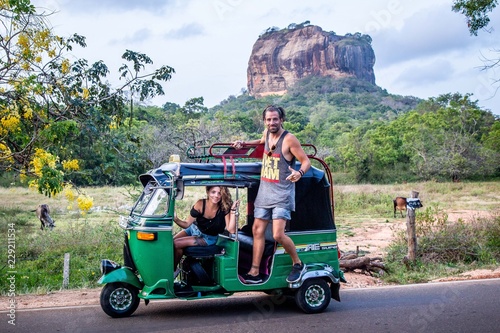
[(334, 288), (324, 271), (122, 274)]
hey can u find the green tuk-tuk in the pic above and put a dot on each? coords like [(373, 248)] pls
[(215, 271)]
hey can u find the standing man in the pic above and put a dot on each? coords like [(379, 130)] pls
[(276, 196)]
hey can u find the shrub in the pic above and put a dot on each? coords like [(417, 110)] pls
[(442, 244)]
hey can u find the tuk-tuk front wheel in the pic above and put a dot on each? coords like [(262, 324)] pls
[(119, 299), (313, 296)]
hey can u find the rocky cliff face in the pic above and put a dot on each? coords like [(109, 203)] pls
[(281, 58)]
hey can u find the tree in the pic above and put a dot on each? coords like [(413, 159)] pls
[(189, 126), (476, 13), (353, 154), (446, 143), (45, 98)]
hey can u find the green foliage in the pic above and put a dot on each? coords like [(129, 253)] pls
[(476, 12), (50, 181), (491, 138), (40, 254), (53, 106)]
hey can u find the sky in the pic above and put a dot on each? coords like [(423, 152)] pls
[(422, 48)]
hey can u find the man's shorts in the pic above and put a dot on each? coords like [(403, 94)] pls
[(272, 213)]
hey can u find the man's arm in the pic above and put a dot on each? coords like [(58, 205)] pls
[(296, 150), (238, 144)]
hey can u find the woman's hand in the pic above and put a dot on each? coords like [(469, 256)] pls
[(231, 218), (180, 223), (235, 205)]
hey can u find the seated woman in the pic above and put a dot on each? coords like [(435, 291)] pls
[(208, 218)]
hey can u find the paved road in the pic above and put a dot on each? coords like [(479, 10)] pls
[(466, 306)]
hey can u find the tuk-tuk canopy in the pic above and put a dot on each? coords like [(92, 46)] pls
[(313, 204)]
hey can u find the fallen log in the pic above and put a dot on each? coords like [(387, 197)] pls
[(364, 264)]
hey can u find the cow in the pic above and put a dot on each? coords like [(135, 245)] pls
[(399, 204), (43, 213)]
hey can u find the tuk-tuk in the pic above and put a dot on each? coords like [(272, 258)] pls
[(148, 271)]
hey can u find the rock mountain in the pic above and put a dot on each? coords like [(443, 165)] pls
[(282, 57)]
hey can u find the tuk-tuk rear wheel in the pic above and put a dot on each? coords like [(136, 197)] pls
[(119, 300), (313, 296)]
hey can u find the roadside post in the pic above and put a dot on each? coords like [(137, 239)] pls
[(412, 203), (66, 271)]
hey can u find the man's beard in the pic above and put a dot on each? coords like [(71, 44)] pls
[(274, 129)]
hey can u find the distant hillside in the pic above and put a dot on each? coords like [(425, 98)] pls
[(330, 100)]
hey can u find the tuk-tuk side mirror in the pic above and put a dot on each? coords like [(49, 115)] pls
[(179, 190)]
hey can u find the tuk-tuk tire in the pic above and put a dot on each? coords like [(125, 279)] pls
[(313, 296), (119, 299)]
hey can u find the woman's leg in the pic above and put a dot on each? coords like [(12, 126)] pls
[(182, 242), (180, 234)]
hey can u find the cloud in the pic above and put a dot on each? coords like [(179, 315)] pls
[(422, 48), (439, 70), (137, 37), (185, 31), (115, 6), (427, 33)]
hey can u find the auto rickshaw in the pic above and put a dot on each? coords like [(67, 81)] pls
[(148, 271)]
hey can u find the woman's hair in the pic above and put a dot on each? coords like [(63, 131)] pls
[(226, 200)]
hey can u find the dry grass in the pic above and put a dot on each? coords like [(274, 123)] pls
[(477, 196), (109, 202), (354, 204)]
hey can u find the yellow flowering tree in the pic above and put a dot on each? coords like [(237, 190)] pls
[(83, 201), (46, 100)]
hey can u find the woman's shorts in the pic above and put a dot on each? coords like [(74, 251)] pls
[(193, 230)]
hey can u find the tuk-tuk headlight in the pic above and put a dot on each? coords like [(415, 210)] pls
[(107, 266)]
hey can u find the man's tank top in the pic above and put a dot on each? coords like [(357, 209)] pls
[(274, 189)]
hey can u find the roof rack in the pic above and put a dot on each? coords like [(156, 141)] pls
[(225, 151)]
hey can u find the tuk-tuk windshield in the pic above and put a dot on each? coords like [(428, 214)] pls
[(153, 201)]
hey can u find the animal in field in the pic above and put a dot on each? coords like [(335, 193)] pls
[(43, 213), (399, 204)]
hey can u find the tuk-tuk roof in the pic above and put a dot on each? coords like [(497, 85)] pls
[(228, 173), (314, 206)]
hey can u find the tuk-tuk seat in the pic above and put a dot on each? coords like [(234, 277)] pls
[(202, 251), (198, 260), (246, 244), (246, 253)]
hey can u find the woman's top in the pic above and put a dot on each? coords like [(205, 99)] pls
[(213, 226)]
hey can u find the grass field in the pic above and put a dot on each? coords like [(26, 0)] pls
[(39, 254)]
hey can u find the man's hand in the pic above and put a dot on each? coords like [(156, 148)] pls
[(294, 176), (238, 144)]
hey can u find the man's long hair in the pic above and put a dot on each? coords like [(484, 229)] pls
[(278, 109)]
